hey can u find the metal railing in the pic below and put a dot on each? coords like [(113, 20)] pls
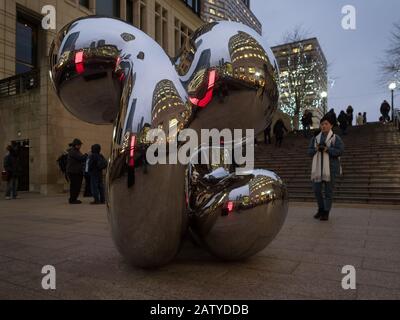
[(20, 83)]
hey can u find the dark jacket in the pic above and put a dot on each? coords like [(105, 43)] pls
[(343, 120), (332, 117), (76, 161), (385, 108), (94, 161), (11, 164), (279, 129), (335, 151), (350, 110)]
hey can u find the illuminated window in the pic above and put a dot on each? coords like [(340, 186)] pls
[(212, 11)]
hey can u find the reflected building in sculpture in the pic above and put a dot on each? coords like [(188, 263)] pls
[(251, 64), (169, 112), (231, 10)]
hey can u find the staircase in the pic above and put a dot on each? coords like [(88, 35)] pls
[(371, 165)]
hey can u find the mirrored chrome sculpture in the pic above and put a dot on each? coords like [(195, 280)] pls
[(107, 71)]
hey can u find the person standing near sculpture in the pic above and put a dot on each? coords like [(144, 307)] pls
[(97, 163), (326, 149), (75, 166)]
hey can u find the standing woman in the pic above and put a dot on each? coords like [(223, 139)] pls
[(325, 148)]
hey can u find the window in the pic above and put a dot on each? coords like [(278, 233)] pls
[(84, 3), (194, 5), (26, 45), (161, 26), (142, 16), (129, 11), (109, 8)]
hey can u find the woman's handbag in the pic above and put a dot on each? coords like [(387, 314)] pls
[(4, 175)]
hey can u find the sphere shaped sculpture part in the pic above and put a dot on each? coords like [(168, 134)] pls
[(225, 77), (235, 216)]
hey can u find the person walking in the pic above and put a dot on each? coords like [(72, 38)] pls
[(267, 135), (279, 131), (75, 163), (11, 169), (306, 121), (385, 110), (360, 119), (350, 115), (343, 122), (97, 163), (325, 149)]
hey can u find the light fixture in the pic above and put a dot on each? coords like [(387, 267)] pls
[(324, 94), (392, 86)]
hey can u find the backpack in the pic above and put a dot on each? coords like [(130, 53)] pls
[(102, 163), (62, 162)]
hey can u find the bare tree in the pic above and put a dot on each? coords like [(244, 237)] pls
[(298, 74), (390, 65)]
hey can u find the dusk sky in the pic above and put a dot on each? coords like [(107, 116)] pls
[(353, 54)]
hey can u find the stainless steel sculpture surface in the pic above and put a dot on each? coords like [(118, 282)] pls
[(225, 77)]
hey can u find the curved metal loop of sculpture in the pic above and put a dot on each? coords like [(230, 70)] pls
[(107, 71)]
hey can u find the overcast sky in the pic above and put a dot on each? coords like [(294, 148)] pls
[(353, 54)]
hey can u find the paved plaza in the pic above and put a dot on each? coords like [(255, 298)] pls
[(304, 262)]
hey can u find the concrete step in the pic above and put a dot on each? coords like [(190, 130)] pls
[(346, 199), (345, 164), (345, 187)]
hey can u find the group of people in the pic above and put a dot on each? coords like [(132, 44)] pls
[(346, 118), (76, 165), (11, 170), (279, 132)]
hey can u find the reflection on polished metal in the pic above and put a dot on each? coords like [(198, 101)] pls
[(235, 216), (225, 77)]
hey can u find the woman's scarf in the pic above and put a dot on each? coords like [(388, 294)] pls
[(319, 173)]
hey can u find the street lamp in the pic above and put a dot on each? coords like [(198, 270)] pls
[(392, 87), (324, 95)]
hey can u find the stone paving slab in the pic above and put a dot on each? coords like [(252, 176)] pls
[(303, 262)]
